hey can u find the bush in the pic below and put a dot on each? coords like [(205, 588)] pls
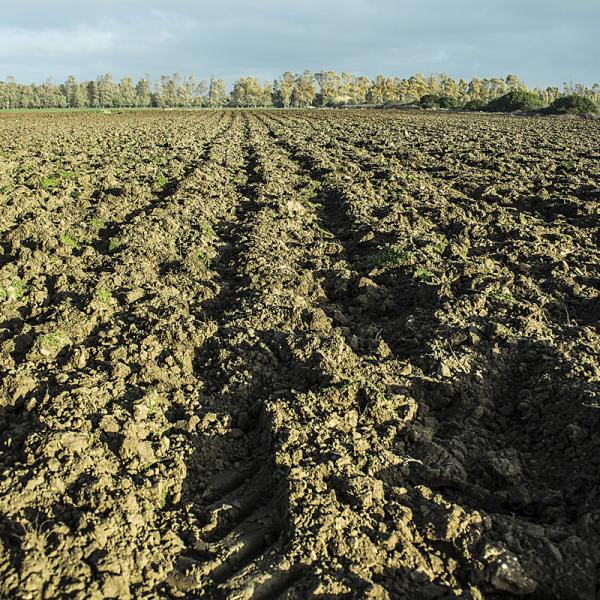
[(448, 102), (430, 101), (475, 104), (513, 101), (435, 101), (573, 105)]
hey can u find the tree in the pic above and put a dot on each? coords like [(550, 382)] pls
[(143, 93), (434, 84), (449, 86), (247, 91), (417, 86), (329, 84), (574, 105), (513, 83), (474, 89), (93, 94), (497, 86), (346, 89), (200, 98), (217, 93), (284, 89), (107, 91), (75, 96), (185, 94), (169, 85), (289, 90), (463, 90), (126, 95), (305, 91), (360, 89), (267, 94)]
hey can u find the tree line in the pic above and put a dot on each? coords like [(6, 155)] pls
[(301, 90)]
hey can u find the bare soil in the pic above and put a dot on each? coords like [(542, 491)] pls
[(259, 355)]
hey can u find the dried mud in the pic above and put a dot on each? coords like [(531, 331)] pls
[(262, 355)]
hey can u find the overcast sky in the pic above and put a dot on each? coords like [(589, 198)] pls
[(543, 41)]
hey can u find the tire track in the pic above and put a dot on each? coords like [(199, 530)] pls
[(238, 507), (441, 463)]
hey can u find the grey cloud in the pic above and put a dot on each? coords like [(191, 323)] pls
[(546, 42)]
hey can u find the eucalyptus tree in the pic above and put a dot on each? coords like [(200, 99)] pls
[(217, 92), (305, 91)]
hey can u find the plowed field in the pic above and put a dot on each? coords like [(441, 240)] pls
[(259, 355)]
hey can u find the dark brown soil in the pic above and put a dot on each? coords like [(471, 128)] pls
[(259, 355)]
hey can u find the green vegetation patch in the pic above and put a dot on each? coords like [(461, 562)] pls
[(424, 275), (389, 256), (104, 296), (573, 105), (436, 101), (98, 224), (114, 243), (514, 101), (55, 179), (12, 292), (69, 240), (54, 340), (475, 104), (48, 183)]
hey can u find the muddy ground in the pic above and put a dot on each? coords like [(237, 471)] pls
[(259, 355)]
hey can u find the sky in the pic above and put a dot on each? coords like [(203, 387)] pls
[(545, 42)]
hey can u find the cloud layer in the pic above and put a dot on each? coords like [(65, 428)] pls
[(544, 41)]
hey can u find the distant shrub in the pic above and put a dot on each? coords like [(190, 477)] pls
[(475, 104), (436, 101), (573, 105), (448, 102), (518, 100), (429, 101)]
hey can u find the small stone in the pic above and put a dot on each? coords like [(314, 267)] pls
[(364, 282), (135, 295), (407, 369), (193, 422), (237, 433), (383, 349), (140, 411), (109, 424), (80, 358), (507, 575), (474, 336), (444, 370), (121, 371)]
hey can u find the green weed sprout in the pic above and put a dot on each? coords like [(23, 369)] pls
[(114, 244), (54, 340), (69, 240), (48, 183), (389, 256), (104, 296), (13, 292), (162, 181), (424, 275)]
